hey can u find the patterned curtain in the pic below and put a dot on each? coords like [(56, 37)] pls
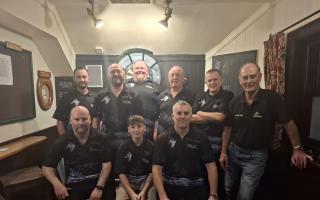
[(274, 61), (274, 71)]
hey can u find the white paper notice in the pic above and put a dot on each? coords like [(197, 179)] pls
[(5, 70)]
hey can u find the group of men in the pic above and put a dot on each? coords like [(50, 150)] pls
[(177, 142)]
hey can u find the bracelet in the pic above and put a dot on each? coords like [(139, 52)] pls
[(99, 187), (214, 195), (298, 147)]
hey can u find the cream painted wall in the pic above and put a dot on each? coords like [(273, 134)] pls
[(268, 19), (43, 118), (44, 16)]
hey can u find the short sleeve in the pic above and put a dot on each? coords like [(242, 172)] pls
[(159, 151), (55, 153)]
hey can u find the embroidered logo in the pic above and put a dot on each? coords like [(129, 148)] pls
[(215, 106), (202, 102), (165, 98), (106, 100), (75, 102), (238, 115), (257, 115), (148, 86), (130, 85), (70, 147), (128, 156), (192, 146), (172, 143)]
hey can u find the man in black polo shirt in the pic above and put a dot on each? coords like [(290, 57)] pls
[(250, 127), (87, 160), (148, 93), (170, 96), (114, 105), (210, 109), (183, 161), (134, 162), (79, 95)]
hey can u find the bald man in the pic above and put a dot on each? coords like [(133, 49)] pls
[(87, 159), (114, 105), (171, 95), (148, 92), (249, 129)]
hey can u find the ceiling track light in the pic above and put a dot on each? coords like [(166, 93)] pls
[(97, 22), (167, 14)]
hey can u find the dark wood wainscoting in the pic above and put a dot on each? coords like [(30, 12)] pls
[(32, 156)]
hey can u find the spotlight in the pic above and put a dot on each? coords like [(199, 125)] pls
[(97, 22), (167, 14)]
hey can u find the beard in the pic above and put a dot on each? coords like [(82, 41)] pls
[(117, 82)]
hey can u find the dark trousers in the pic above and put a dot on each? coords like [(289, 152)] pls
[(186, 193), (82, 190)]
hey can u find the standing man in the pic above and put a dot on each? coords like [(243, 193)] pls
[(183, 163), (249, 128), (79, 95), (114, 105), (170, 96), (210, 110), (148, 93), (87, 161)]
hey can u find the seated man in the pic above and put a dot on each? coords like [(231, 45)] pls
[(87, 161), (133, 163), (183, 162)]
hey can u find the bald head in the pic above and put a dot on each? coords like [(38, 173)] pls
[(80, 120), (176, 77)]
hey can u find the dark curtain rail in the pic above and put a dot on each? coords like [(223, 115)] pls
[(301, 20)]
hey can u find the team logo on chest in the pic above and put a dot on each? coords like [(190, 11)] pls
[(257, 115), (130, 85), (202, 102), (128, 156), (172, 143), (165, 98), (148, 86), (215, 106), (106, 100), (75, 102), (70, 147)]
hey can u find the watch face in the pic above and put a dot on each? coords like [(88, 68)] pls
[(132, 55)]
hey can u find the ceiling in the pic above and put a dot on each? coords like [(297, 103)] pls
[(196, 26)]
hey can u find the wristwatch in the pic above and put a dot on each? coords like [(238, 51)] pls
[(298, 147), (214, 195), (99, 187)]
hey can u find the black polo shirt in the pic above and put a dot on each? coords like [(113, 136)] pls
[(82, 162), (148, 93), (166, 103), (115, 111), (72, 99), (135, 161), (253, 126), (212, 103), (183, 158)]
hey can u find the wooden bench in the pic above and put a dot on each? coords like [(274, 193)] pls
[(26, 183)]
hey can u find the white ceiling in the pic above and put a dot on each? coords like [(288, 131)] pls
[(196, 26)]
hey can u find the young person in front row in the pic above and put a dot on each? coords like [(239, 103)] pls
[(87, 157), (134, 162), (183, 162), (249, 128)]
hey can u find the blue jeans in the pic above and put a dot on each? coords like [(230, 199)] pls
[(245, 169)]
